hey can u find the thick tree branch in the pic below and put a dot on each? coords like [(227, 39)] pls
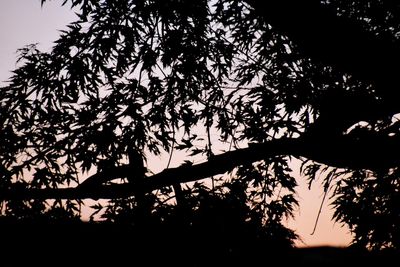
[(186, 173), (346, 152)]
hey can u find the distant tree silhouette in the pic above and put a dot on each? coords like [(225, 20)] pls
[(241, 86)]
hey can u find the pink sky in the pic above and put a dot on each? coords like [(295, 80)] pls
[(24, 22)]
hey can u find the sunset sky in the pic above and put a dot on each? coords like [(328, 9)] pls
[(24, 22)]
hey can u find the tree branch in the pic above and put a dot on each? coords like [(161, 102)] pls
[(217, 164), (345, 151)]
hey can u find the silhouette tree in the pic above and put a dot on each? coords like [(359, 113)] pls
[(240, 86)]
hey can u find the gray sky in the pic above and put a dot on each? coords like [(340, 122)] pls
[(25, 22)]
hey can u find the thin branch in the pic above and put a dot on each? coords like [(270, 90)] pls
[(319, 212)]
